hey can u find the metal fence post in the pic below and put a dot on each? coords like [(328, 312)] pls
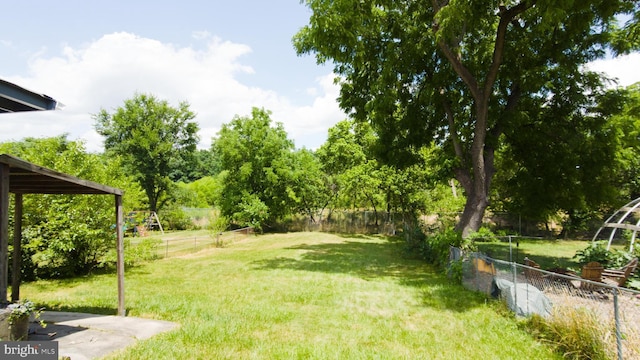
[(515, 287), (616, 315), (474, 266)]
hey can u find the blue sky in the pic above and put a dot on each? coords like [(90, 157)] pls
[(223, 57)]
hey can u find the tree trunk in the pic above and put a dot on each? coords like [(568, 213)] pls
[(477, 183), (471, 219), (477, 180)]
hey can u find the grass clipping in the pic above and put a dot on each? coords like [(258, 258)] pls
[(576, 333)]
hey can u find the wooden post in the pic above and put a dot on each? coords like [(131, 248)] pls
[(17, 248), (4, 232), (120, 250)]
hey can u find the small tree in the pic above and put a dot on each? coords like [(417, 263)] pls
[(153, 139), (256, 160)]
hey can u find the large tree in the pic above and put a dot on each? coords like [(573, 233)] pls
[(456, 71), (627, 126), (153, 139), (256, 160), (578, 176)]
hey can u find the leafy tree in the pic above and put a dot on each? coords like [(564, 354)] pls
[(256, 161), (202, 163), (457, 72), (355, 179), (342, 151), (627, 38), (577, 175), (626, 124), (153, 139), (308, 189), (203, 191)]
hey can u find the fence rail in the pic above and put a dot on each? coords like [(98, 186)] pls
[(529, 290)]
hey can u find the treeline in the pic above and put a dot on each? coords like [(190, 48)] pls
[(255, 176), (252, 174)]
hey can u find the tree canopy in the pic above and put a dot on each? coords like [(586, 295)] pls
[(256, 160), (154, 140), (462, 74)]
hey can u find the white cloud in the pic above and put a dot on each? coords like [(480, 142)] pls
[(104, 73), (625, 69)]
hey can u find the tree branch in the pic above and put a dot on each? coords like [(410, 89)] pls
[(461, 70), (452, 130), (506, 16)]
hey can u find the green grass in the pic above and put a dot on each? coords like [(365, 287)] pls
[(180, 243), (547, 253), (300, 296)]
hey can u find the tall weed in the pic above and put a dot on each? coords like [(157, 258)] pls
[(576, 333)]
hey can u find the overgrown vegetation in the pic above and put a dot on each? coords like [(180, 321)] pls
[(576, 333)]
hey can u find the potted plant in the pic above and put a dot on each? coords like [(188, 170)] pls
[(20, 313)]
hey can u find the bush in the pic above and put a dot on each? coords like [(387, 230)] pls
[(435, 248), (483, 235), (217, 225), (455, 271), (145, 250), (596, 251), (175, 218)]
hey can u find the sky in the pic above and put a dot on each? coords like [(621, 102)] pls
[(222, 57)]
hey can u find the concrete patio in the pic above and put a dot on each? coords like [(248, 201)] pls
[(88, 336)]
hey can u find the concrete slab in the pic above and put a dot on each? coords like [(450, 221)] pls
[(88, 336)]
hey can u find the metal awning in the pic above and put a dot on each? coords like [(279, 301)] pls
[(14, 98), (28, 178)]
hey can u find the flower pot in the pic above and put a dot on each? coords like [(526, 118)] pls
[(19, 329), (592, 271)]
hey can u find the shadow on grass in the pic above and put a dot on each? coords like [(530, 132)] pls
[(369, 258), (500, 251), (93, 310)]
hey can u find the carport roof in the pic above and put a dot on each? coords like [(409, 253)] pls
[(14, 98), (28, 178)]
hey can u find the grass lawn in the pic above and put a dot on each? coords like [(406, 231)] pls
[(300, 296), (547, 253)]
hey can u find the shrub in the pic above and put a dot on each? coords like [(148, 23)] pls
[(145, 250), (175, 218), (435, 248), (455, 271), (596, 251), (217, 225), (483, 235)]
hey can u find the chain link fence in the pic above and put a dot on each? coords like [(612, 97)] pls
[(180, 245), (559, 295)]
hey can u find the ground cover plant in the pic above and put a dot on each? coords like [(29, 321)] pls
[(300, 295)]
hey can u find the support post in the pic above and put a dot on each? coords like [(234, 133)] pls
[(616, 310), (120, 251), (4, 233), (17, 248)]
